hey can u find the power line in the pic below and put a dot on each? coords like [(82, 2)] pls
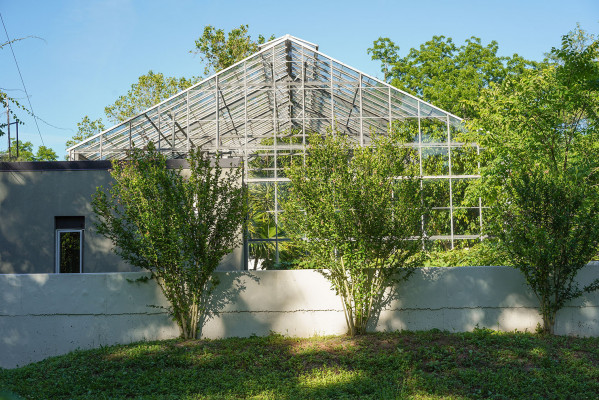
[(22, 81)]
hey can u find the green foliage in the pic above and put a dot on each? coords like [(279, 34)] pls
[(86, 129), (26, 153), (444, 74), (219, 51), (485, 253), (356, 211), (429, 365), (540, 132), (178, 228), (45, 154), (550, 230), (150, 89)]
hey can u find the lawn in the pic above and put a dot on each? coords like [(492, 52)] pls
[(404, 365)]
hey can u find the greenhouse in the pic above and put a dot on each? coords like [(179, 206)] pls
[(263, 110)]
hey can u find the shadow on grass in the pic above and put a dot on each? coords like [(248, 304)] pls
[(424, 365)]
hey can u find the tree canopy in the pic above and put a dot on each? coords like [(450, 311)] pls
[(445, 74), (219, 50), (540, 135), (26, 153)]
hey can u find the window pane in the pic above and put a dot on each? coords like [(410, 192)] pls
[(262, 255), (70, 252)]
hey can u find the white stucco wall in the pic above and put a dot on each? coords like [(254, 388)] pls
[(42, 315)]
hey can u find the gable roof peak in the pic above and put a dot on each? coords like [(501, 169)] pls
[(286, 37)]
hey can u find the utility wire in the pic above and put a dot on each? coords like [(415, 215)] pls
[(22, 81)]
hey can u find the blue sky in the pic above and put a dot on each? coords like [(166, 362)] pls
[(92, 51)]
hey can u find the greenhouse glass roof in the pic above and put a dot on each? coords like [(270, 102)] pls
[(271, 98)]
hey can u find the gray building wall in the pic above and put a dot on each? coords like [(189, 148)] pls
[(32, 194)]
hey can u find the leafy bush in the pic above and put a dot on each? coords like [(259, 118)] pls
[(177, 227)]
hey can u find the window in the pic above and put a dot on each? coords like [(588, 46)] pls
[(69, 244)]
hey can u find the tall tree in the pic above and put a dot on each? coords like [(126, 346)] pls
[(86, 129), (177, 227), (445, 74), (219, 50), (356, 211), (540, 132)]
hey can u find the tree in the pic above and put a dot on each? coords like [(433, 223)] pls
[(178, 228), (150, 89), (86, 129), (218, 51), (356, 211), (45, 154), (444, 74), (540, 131), (26, 152)]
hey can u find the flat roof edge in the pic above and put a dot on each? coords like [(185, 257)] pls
[(100, 165)]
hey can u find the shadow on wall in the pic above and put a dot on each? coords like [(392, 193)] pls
[(29, 201), (17, 204), (227, 314), (43, 315), (294, 303), (463, 298)]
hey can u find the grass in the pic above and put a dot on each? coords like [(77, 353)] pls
[(406, 365)]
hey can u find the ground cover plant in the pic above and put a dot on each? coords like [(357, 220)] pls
[(409, 365)]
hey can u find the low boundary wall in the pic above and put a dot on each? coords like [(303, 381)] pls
[(43, 315)]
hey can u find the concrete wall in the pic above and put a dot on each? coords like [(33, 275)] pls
[(31, 198), (42, 315)]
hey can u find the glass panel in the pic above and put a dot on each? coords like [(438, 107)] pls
[(433, 131), (261, 224), (461, 197), (438, 223), (261, 255), (261, 165), (435, 161), (407, 129), (466, 221), (402, 105), (436, 192), (374, 126), (69, 252), (285, 158), (464, 160)]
